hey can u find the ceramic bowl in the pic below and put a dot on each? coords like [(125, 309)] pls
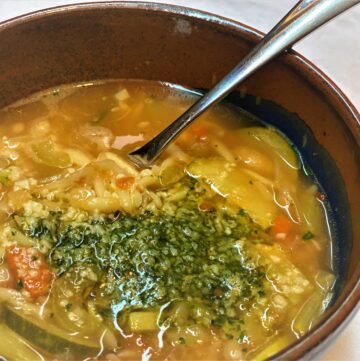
[(192, 48)]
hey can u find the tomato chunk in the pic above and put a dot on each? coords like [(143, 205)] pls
[(29, 269)]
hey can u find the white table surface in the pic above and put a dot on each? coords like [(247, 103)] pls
[(335, 48)]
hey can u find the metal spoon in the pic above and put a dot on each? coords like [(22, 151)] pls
[(304, 17)]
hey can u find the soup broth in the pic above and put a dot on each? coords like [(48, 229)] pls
[(219, 251)]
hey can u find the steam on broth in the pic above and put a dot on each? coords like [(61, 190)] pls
[(219, 251)]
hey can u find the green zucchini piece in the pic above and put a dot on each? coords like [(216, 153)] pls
[(48, 337), (13, 348)]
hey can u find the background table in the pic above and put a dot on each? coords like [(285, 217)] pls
[(335, 48)]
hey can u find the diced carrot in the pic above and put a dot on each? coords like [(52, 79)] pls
[(29, 269), (282, 225), (320, 196), (206, 206), (200, 130), (125, 182), (81, 181)]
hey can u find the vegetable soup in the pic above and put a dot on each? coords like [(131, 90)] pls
[(220, 251)]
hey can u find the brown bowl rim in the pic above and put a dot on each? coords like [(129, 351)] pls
[(313, 341)]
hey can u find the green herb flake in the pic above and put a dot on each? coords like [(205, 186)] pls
[(101, 116), (181, 340), (308, 235), (19, 285)]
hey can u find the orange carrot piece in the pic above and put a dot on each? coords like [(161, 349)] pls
[(282, 224), (200, 130), (206, 206), (125, 182)]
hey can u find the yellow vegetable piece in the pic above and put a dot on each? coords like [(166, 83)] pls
[(239, 186), (45, 153), (312, 212), (325, 280), (126, 166), (143, 321), (308, 314), (275, 140), (171, 174), (270, 142), (47, 336), (78, 157), (273, 348), (12, 349), (255, 160), (4, 177)]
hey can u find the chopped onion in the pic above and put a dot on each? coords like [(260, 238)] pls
[(122, 95)]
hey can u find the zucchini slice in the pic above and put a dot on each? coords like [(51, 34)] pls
[(237, 186), (44, 152), (275, 140), (14, 348), (49, 337)]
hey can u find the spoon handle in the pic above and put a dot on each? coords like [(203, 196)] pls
[(304, 17)]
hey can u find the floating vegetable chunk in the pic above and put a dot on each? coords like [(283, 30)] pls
[(45, 152), (218, 251), (271, 138), (14, 348), (48, 336), (238, 186)]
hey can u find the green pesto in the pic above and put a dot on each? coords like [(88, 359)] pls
[(148, 260)]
